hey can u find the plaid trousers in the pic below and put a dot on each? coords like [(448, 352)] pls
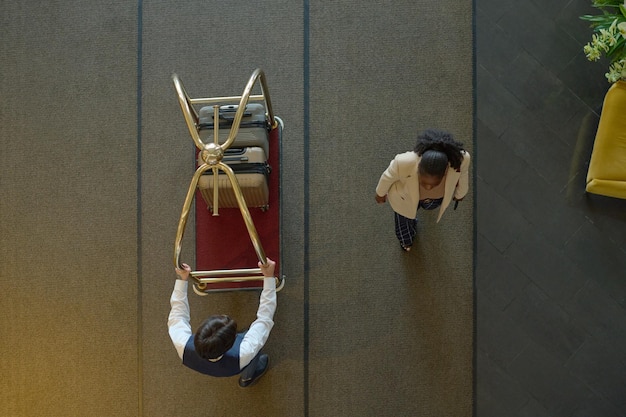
[(406, 228)]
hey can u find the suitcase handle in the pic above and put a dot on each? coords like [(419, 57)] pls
[(230, 119), (232, 109)]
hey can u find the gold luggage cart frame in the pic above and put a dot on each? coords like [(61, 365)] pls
[(211, 155)]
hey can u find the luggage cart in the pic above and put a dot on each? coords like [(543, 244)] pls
[(229, 265)]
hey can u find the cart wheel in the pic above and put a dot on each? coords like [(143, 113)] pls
[(281, 285), (280, 122), (198, 289)]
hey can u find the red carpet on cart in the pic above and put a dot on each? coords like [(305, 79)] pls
[(223, 242)]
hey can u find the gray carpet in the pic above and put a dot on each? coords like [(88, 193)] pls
[(91, 198)]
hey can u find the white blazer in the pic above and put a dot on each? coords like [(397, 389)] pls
[(400, 182)]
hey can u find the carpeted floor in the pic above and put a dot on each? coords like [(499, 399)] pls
[(95, 164)]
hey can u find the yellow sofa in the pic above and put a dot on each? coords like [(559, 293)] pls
[(607, 168)]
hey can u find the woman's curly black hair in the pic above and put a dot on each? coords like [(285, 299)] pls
[(436, 147)]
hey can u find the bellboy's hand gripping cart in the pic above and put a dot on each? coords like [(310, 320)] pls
[(229, 262)]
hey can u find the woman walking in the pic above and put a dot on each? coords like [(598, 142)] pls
[(435, 173)]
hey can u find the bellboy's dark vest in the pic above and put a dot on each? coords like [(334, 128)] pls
[(228, 365)]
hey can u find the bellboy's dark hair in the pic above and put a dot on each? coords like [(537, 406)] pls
[(215, 336)]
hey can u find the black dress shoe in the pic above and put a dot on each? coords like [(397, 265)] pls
[(262, 365)]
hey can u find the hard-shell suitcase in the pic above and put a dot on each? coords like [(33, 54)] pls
[(253, 183), (251, 176), (253, 130), (235, 156), (253, 116)]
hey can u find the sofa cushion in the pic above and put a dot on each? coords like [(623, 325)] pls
[(607, 168)]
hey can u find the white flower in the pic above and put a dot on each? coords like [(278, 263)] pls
[(617, 71), (598, 41), (592, 54), (607, 38), (622, 28), (612, 75)]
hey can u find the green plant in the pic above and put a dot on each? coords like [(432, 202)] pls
[(609, 36)]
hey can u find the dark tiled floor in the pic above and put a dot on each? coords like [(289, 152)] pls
[(551, 263)]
